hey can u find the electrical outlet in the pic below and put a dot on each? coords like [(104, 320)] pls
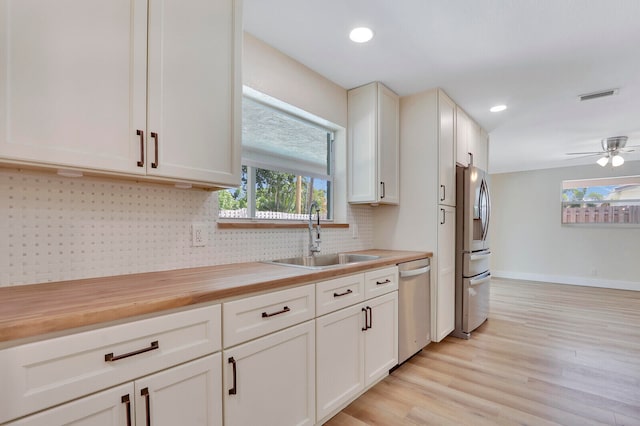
[(198, 234)]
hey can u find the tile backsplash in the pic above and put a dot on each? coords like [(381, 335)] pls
[(54, 228)]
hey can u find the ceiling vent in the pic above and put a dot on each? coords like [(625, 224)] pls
[(600, 94)]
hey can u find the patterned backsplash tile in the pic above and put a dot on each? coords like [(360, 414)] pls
[(54, 228)]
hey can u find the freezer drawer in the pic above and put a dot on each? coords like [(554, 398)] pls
[(475, 301), (475, 263)]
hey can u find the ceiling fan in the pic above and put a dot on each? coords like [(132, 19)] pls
[(612, 148)]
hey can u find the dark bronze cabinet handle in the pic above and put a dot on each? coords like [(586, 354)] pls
[(384, 190), (154, 135), (349, 291), (387, 281), (234, 389), (110, 357), (145, 392), (266, 315), (365, 319), (141, 134), (444, 217), (370, 317), (126, 400), (470, 158), (444, 192)]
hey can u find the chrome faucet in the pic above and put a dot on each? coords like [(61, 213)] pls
[(314, 243)]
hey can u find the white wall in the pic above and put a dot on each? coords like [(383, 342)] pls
[(54, 228), (528, 241), (270, 71)]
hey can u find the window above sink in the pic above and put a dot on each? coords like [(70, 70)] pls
[(287, 162)]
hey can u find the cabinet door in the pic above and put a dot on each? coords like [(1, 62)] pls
[(73, 83), (474, 143), (462, 138), (444, 308), (108, 408), (271, 380), (340, 361), (482, 151), (388, 146), (446, 151), (381, 339), (361, 145), (194, 90), (189, 394)]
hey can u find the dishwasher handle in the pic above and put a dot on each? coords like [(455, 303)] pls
[(414, 272)]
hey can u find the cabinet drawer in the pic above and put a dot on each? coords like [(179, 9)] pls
[(380, 282), (338, 293), (49, 372), (252, 317)]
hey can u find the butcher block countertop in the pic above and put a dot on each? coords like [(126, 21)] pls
[(33, 310)]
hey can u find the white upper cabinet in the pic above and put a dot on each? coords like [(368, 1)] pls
[(373, 145), (74, 79), (471, 143), (73, 83), (194, 98), (446, 150)]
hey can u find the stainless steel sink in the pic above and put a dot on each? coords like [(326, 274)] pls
[(323, 261)]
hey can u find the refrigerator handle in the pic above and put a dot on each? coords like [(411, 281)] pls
[(481, 280)]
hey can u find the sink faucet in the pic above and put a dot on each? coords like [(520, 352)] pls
[(314, 243)]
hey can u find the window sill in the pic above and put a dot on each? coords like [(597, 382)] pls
[(265, 224)]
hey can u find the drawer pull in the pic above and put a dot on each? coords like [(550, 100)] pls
[(284, 310), (145, 392), (110, 357), (370, 317), (387, 281), (234, 389), (127, 401), (349, 291)]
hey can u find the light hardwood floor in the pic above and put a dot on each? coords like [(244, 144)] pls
[(549, 354)]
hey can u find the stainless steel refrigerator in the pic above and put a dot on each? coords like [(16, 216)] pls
[(473, 214)]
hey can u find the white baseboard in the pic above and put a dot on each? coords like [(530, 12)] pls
[(564, 279)]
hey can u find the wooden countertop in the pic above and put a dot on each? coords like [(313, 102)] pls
[(36, 309)]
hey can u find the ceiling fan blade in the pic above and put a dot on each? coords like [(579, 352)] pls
[(626, 150), (583, 156), (582, 153)]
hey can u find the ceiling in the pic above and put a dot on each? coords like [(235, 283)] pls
[(536, 56)]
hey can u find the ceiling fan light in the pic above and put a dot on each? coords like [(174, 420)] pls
[(603, 161), (617, 160)]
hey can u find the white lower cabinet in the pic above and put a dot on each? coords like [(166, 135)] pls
[(445, 288), (381, 338), (106, 408), (340, 358), (189, 394), (271, 380), (356, 347)]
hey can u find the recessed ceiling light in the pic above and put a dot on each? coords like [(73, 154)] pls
[(498, 108), (361, 34)]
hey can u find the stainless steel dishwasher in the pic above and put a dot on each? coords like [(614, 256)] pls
[(414, 308)]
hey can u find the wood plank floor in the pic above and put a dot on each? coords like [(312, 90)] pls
[(549, 354)]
